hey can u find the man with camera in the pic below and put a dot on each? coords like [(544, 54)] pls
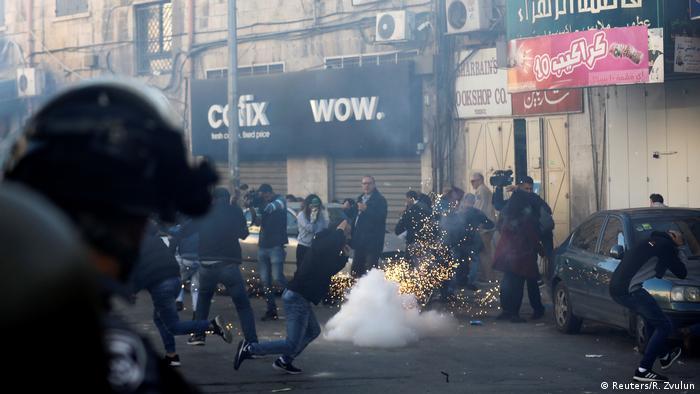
[(542, 214)]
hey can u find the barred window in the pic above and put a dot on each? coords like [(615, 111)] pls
[(71, 7), (255, 69), (154, 38), (370, 59)]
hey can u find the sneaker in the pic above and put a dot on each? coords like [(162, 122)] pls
[(196, 340), (242, 353), (670, 357), (179, 306), (269, 315), (173, 361), (280, 365), (648, 376), (221, 329), (537, 315)]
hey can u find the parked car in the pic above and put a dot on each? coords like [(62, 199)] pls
[(586, 260), (393, 245)]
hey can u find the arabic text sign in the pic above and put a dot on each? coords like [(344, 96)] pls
[(529, 18), (589, 58), (687, 55), (481, 88), (547, 102)]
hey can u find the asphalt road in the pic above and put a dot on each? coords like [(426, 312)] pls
[(492, 357)]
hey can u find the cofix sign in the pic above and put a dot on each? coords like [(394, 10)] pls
[(347, 112), (480, 86), (589, 58)]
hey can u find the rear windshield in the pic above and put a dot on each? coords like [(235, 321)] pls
[(688, 226)]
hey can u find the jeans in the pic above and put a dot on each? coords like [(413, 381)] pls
[(512, 294), (165, 315), (302, 329), (189, 270), (230, 275), (271, 266), (473, 268), (658, 325)]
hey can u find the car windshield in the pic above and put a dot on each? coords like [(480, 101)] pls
[(688, 226)]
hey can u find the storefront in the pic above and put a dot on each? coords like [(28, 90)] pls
[(319, 131)]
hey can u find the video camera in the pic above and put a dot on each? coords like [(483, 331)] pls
[(501, 178)]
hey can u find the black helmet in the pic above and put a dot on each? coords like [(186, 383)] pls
[(113, 145)]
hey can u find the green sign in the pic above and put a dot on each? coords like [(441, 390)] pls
[(530, 18)]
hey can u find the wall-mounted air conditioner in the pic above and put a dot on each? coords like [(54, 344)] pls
[(395, 26), (30, 82), (464, 16)]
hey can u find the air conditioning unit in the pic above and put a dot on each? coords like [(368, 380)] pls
[(464, 16), (395, 26), (30, 82)]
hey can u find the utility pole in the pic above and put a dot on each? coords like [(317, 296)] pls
[(233, 169)]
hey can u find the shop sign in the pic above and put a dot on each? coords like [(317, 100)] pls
[(530, 18), (588, 58), (365, 111), (480, 86), (687, 55), (547, 102)]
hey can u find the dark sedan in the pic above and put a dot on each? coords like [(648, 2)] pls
[(586, 260)]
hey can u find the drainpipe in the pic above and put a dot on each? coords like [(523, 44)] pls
[(30, 30)]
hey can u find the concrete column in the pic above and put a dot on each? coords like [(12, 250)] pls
[(309, 175)]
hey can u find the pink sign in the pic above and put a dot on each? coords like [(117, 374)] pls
[(586, 58)]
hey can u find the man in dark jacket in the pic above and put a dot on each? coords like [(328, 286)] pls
[(370, 226), (271, 253), (220, 259), (158, 272), (651, 258), (415, 222), (326, 258)]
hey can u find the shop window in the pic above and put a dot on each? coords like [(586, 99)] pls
[(154, 38), (71, 7)]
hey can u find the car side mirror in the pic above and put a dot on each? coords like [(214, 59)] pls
[(617, 252)]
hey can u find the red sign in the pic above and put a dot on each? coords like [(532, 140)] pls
[(547, 102), (585, 58)]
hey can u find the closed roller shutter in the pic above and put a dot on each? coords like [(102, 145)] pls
[(394, 178), (255, 173)]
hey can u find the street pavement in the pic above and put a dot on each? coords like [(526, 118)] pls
[(496, 356)]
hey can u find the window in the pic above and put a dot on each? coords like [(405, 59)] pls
[(71, 7), (613, 236), (256, 69), (2, 12), (587, 235), (154, 38), (370, 59)]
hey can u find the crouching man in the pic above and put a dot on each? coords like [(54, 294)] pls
[(328, 255), (651, 258)]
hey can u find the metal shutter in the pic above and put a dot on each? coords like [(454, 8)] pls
[(394, 178), (255, 173)]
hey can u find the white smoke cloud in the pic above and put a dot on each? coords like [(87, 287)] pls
[(375, 314)]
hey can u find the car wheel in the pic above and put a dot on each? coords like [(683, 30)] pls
[(640, 334), (566, 321)]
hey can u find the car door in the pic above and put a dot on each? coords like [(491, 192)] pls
[(604, 308), (578, 262)]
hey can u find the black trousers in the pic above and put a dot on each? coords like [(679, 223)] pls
[(362, 261)]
